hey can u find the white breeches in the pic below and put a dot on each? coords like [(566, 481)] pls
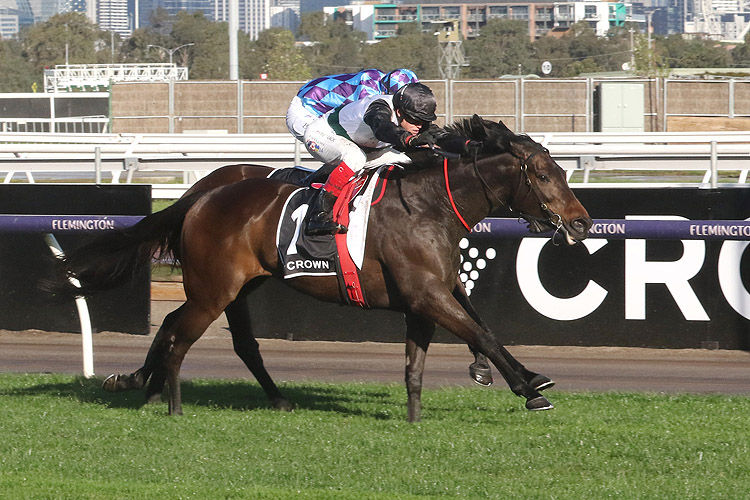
[(324, 145), (298, 118)]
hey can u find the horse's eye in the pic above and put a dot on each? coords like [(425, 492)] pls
[(543, 178)]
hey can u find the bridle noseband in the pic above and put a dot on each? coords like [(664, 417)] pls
[(551, 217)]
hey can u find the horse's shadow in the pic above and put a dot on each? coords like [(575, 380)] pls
[(237, 395)]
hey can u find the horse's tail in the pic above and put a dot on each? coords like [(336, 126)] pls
[(114, 258)]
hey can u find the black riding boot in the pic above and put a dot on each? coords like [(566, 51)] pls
[(321, 218)]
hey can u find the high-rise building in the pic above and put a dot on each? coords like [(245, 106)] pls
[(254, 15), (115, 15), (285, 14)]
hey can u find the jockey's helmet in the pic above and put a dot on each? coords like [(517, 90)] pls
[(417, 101), (393, 81)]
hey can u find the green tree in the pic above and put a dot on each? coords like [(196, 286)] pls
[(552, 49), (410, 49), (333, 46), (695, 53), (741, 54), (208, 58), (502, 48), (280, 57), (45, 43), (16, 74)]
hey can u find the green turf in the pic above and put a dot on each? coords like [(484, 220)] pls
[(63, 437)]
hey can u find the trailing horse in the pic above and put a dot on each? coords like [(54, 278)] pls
[(226, 245)]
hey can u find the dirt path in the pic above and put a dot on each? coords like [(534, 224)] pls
[(574, 368)]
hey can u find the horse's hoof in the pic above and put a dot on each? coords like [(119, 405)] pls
[(153, 398), (539, 403), (482, 376), (282, 404), (110, 383), (540, 383), (115, 383)]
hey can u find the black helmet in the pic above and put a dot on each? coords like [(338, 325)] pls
[(416, 101)]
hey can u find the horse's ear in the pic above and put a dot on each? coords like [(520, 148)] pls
[(478, 128), (504, 127)]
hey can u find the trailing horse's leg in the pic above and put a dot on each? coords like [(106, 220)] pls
[(187, 328), (138, 379), (432, 300), (247, 348), (419, 332), (480, 369)]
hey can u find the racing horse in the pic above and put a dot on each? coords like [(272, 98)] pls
[(225, 241), (238, 313)]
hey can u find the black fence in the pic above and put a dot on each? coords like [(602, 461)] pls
[(25, 259)]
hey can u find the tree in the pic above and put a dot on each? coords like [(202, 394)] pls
[(502, 48), (552, 49), (334, 47), (410, 49), (16, 74), (280, 57), (741, 53), (208, 58), (45, 43)]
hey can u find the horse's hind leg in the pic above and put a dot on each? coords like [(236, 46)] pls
[(480, 370), (138, 379), (419, 332), (247, 348)]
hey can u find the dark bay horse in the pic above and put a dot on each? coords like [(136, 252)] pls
[(238, 313), (225, 241)]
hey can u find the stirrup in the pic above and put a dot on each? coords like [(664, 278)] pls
[(317, 227)]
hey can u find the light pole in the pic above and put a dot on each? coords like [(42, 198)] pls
[(169, 51)]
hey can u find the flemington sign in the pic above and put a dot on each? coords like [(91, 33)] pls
[(681, 282)]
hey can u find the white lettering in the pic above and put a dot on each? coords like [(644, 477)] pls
[(563, 309), (730, 278), (608, 228), (675, 275), (82, 224), (482, 227)]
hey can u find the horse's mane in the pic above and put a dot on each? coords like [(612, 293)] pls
[(494, 136)]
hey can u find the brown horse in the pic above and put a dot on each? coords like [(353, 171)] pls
[(238, 313), (225, 240)]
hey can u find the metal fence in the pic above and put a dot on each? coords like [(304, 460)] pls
[(524, 104), (171, 162)]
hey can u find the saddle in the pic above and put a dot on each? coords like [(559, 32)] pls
[(327, 255)]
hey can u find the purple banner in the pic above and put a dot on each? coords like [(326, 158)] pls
[(65, 223), (619, 229), (651, 229)]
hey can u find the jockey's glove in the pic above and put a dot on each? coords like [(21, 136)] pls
[(421, 139)]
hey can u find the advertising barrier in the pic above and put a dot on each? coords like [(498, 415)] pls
[(630, 284), (25, 258)]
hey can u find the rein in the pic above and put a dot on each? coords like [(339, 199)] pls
[(552, 217)]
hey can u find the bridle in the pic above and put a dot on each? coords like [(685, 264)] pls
[(537, 223)]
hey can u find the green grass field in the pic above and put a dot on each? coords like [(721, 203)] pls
[(64, 438)]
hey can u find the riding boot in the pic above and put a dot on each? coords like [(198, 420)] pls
[(321, 213), (321, 218)]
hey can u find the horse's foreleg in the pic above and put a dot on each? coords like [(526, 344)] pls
[(419, 332), (480, 369), (247, 349), (434, 302)]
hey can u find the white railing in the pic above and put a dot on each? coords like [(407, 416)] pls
[(171, 162)]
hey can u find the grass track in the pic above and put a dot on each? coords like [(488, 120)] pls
[(62, 437)]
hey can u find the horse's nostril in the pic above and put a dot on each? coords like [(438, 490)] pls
[(581, 225)]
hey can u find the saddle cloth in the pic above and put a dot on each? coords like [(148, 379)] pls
[(303, 255)]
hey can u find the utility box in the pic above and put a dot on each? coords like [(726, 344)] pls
[(621, 107)]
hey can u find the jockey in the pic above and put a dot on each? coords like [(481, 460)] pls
[(321, 95), (401, 120)]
